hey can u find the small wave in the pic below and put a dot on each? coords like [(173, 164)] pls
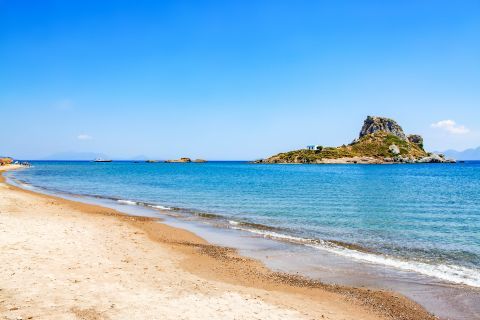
[(127, 202), (160, 207), (259, 226), (452, 273), (447, 272), (208, 215), (255, 226), (276, 235), (96, 196), (20, 183), (26, 185)]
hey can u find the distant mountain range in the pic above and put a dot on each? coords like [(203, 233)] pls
[(70, 155), (468, 154), (88, 156)]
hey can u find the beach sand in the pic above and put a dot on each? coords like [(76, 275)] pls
[(61, 259)]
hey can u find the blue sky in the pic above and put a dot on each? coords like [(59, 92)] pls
[(233, 79)]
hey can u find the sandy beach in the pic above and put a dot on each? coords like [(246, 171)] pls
[(62, 259)]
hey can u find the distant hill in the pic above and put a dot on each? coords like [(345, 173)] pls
[(381, 140), (87, 156), (70, 155), (139, 158), (468, 154)]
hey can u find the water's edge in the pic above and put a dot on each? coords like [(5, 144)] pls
[(274, 246), (449, 273)]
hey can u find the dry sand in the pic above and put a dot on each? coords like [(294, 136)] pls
[(61, 259)]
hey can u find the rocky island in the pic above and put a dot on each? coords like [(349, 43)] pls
[(181, 160), (186, 160), (381, 140)]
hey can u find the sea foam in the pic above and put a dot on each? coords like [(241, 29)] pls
[(445, 272), (127, 202), (161, 207)]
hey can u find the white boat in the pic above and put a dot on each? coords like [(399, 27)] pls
[(101, 160)]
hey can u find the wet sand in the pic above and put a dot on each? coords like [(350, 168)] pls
[(62, 259)]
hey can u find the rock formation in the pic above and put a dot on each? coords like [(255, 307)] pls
[(381, 140), (415, 138), (375, 124), (394, 149), (182, 160)]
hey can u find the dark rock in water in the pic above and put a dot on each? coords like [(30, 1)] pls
[(375, 124)]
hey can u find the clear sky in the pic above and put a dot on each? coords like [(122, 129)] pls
[(233, 79)]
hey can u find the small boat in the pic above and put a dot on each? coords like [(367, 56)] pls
[(101, 160)]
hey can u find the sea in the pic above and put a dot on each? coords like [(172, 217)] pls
[(411, 228)]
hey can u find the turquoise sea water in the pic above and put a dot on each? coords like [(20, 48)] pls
[(423, 218)]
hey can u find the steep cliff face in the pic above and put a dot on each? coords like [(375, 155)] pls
[(381, 140), (376, 124), (415, 138)]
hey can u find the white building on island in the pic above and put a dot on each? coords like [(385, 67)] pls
[(314, 147)]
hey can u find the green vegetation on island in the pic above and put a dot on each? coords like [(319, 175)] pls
[(381, 140)]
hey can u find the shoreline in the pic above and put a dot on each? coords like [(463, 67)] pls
[(345, 250), (223, 265), (359, 160)]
